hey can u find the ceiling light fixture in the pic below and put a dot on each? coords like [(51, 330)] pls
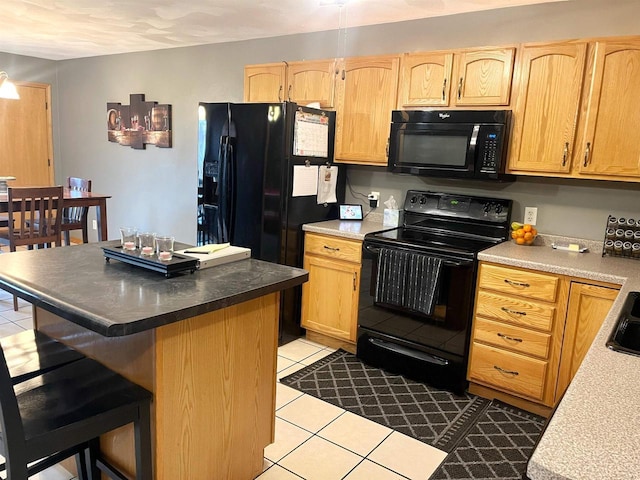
[(7, 88)]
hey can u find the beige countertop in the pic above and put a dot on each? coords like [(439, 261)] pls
[(595, 430), (353, 229), (594, 433)]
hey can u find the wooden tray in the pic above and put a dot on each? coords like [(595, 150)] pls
[(178, 264)]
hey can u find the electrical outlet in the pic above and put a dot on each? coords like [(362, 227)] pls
[(373, 199), (530, 215), (94, 224)]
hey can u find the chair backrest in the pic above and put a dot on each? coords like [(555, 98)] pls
[(12, 443), (34, 212), (75, 214)]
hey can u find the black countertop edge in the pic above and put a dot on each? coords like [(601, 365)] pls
[(106, 328)]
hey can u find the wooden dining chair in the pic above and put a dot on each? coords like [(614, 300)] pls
[(35, 222), (62, 413), (75, 218)]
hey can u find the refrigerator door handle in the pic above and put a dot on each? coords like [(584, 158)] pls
[(231, 171)]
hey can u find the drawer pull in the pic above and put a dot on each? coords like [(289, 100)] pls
[(514, 312), (333, 249), (507, 337), (516, 284), (506, 372)]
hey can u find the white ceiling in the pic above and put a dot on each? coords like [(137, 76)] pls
[(64, 29)]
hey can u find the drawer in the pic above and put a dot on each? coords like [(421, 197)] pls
[(333, 247), (513, 338), (507, 371), (515, 310), (538, 286)]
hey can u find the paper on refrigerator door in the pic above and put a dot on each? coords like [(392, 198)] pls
[(327, 181), (305, 180)]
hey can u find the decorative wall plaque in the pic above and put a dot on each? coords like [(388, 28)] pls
[(139, 123)]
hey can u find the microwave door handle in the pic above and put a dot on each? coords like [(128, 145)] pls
[(473, 141)]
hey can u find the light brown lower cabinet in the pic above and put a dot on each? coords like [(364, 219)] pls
[(531, 331), (330, 297), (587, 309)]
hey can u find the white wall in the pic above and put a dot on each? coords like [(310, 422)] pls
[(156, 188)]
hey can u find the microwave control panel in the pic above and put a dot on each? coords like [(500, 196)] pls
[(490, 149)]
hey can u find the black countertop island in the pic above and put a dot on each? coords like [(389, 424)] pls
[(205, 343), (115, 298)]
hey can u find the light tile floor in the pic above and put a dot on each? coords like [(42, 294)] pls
[(314, 439)]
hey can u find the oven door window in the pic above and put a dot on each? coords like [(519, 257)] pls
[(446, 330), (433, 147)]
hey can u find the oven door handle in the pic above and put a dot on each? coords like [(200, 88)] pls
[(448, 263)]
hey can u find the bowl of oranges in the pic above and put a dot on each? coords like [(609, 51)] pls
[(523, 233)]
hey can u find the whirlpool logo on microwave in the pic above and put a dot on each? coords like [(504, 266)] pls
[(444, 115)]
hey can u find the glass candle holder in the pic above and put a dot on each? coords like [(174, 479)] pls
[(164, 247), (128, 237), (147, 243)]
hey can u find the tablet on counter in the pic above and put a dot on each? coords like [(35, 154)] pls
[(351, 212)]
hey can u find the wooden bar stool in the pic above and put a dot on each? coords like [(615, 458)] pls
[(63, 413)]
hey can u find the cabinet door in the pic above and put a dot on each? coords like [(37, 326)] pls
[(330, 297), (483, 76), (26, 136), (366, 90), (612, 144), (588, 307), (549, 86), (264, 83), (311, 82), (425, 79)]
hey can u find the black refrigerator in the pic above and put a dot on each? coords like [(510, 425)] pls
[(247, 153)]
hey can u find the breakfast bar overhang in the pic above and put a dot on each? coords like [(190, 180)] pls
[(205, 343)]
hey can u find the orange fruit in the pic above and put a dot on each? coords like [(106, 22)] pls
[(520, 233), (526, 227), (534, 232), (520, 241), (513, 234), (528, 236)]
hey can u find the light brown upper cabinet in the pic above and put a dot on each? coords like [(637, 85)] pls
[(265, 82), (548, 87), (311, 81), (461, 78), (610, 146), (483, 77), (425, 79), (365, 96)]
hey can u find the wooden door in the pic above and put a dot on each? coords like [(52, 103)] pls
[(366, 89), (264, 83), (311, 82), (483, 77), (612, 145), (425, 79), (26, 146), (549, 87), (588, 307), (330, 297)]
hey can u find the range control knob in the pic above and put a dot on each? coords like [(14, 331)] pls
[(498, 209), (413, 199), (487, 207), (423, 200)]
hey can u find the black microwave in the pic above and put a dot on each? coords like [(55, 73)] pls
[(450, 143)]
